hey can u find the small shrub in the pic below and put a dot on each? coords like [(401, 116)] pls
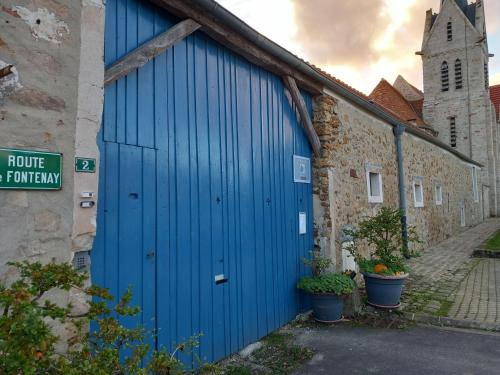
[(27, 343), (329, 283), (382, 233), (323, 282)]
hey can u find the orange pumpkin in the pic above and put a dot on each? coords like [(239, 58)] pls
[(379, 268)]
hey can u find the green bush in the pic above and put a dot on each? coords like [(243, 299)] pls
[(382, 234), (322, 281), (28, 344), (327, 283)]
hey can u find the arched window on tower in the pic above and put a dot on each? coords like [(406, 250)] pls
[(449, 31), (445, 77), (458, 74)]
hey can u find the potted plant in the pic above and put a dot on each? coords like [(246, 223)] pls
[(327, 289), (384, 270)]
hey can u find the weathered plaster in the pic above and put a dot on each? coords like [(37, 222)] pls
[(40, 114), (43, 24), (88, 121), (10, 83)]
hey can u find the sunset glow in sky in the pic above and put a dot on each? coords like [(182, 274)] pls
[(358, 41)]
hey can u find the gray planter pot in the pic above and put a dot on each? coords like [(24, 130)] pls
[(384, 291), (327, 308)]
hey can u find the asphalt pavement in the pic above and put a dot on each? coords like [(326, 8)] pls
[(412, 351)]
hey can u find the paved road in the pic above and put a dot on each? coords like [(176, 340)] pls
[(446, 281), (414, 351)]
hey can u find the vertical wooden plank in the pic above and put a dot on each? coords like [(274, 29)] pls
[(130, 261), (183, 186), (249, 301), (131, 79), (258, 219), (149, 246), (235, 262), (229, 213), (145, 82), (215, 199), (98, 265), (121, 49), (194, 190), (267, 203), (111, 224), (173, 269), (205, 250), (160, 90), (225, 233)]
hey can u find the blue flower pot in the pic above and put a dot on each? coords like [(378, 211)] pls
[(384, 291), (327, 308)]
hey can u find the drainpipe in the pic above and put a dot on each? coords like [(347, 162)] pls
[(398, 135)]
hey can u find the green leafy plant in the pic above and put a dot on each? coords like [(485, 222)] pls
[(329, 283), (28, 344), (322, 281), (383, 236)]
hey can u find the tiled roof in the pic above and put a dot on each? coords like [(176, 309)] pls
[(389, 98), (418, 107), (495, 98)]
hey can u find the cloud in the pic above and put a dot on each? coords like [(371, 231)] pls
[(337, 31), (367, 36), (358, 41)]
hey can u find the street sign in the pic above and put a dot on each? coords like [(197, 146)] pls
[(84, 165), (30, 170)]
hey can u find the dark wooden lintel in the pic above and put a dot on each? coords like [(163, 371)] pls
[(5, 71), (149, 50), (305, 119)]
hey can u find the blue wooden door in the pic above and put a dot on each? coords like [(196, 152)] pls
[(125, 247), (206, 141)]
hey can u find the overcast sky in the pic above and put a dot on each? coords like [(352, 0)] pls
[(358, 41)]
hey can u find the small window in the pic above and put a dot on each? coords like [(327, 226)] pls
[(458, 74), (475, 190), (418, 192), (486, 76), (449, 31), (439, 195), (462, 215), (375, 188), (453, 132), (445, 77)]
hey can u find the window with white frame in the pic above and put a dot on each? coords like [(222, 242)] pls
[(375, 187), (418, 192), (439, 194), (475, 190)]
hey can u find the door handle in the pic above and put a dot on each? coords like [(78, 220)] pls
[(150, 255)]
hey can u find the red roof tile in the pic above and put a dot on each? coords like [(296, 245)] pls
[(495, 98), (391, 99)]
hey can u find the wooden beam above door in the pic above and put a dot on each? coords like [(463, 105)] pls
[(149, 50), (305, 118)]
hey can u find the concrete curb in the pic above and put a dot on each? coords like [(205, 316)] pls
[(449, 322)]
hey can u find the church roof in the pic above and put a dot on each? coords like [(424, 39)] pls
[(391, 99), (468, 9), (495, 98)]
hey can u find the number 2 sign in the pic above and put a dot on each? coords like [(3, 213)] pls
[(84, 165)]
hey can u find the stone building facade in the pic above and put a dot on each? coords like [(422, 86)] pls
[(355, 143), (457, 100)]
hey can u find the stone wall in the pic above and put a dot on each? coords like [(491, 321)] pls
[(355, 141), (55, 89)]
